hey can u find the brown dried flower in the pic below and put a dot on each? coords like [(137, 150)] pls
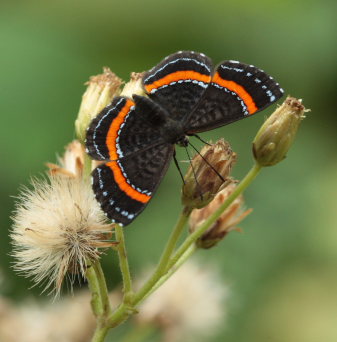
[(202, 182), (227, 222)]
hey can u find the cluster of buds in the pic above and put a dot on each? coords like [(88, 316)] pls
[(205, 191), (207, 185)]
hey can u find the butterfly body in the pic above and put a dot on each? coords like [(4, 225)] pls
[(171, 130), (136, 137)]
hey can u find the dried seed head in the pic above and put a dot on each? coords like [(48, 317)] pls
[(57, 227), (227, 222), (100, 92), (277, 134), (202, 182)]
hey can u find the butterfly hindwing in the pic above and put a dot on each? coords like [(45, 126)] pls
[(124, 187), (119, 130), (237, 90), (178, 82)]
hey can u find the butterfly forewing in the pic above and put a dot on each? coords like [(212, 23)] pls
[(124, 187), (178, 82), (237, 90), (120, 130)]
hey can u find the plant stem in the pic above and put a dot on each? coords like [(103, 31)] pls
[(103, 289), (164, 260), (123, 264), (167, 264), (99, 301), (124, 310), (100, 333), (254, 171), (173, 269), (94, 287)]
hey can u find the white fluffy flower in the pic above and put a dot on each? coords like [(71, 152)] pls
[(58, 226)]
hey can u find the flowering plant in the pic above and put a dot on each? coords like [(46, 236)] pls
[(59, 229)]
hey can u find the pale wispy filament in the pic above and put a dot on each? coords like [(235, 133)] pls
[(58, 226)]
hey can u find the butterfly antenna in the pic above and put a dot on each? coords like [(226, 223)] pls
[(202, 140), (205, 160), (195, 176), (177, 165)]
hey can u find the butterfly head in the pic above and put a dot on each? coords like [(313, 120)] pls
[(182, 141)]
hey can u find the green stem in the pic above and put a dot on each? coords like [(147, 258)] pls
[(100, 333), (173, 269), (124, 310), (254, 171), (99, 298), (123, 264), (167, 264), (94, 287), (104, 294), (164, 260)]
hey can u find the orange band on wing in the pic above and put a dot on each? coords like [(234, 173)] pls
[(114, 128), (111, 144), (177, 76), (239, 90), (124, 186)]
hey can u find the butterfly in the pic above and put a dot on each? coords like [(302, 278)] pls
[(136, 137)]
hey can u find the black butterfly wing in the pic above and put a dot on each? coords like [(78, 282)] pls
[(124, 187), (178, 82), (121, 129), (237, 90)]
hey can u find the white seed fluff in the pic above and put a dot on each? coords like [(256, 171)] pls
[(58, 226)]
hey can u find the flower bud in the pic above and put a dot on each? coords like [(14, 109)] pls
[(72, 163), (224, 224), (201, 181), (100, 92), (134, 86), (277, 134)]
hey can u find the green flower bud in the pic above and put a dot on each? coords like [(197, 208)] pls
[(201, 182), (100, 92), (277, 134)]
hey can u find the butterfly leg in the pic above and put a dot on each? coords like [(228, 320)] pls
[(177, 165)]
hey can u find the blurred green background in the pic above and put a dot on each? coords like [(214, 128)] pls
[(282, 270)]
